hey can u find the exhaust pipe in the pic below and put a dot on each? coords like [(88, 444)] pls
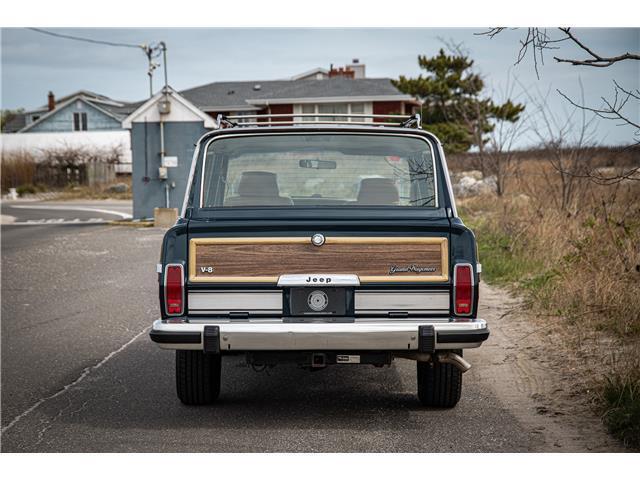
[(455, 360), (420, 357), (444, 357)]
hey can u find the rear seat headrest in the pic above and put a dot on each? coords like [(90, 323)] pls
[(258, 184), (378, 191)]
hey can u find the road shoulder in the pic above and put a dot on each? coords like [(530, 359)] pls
[(525, 366)]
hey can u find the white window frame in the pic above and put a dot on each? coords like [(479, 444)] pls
[(83, 121), (297, 110)]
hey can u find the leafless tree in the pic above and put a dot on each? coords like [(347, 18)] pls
[(497, 155), (568, 139), (538, 40), (500, 155)]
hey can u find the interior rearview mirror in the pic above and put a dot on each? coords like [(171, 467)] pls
[(317, 164)]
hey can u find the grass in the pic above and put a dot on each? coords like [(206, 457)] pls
[(504, 262), (92, 193), (581, 267), (621, 397)]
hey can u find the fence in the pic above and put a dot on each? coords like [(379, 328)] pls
[(91, 174)]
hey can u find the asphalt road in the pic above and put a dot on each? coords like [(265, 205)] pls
[(34, 213), (79, 372)]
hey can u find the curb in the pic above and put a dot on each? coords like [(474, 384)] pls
[(131, 223)]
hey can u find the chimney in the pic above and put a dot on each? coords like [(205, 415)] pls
[(358, 68), (51, 101), (341, 72)]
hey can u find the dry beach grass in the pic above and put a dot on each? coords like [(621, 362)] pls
[(578, 269)]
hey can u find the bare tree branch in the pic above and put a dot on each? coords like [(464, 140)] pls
[(613, 110), (538, 40), (595, 60)]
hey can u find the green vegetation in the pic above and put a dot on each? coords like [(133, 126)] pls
[(621, 396), (7, 115), (454, 106)]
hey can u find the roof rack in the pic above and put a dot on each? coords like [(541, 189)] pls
[(267, 120)]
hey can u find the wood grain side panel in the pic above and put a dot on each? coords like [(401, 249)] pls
[(372, 259)]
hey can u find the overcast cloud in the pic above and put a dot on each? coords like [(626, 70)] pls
[(33, 63)]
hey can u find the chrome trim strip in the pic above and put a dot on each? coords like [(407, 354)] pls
[(279, 320), (318, 279), (192, 171), (401, 300), (412, 312), (322, 336), (220, 301), (445, 169), (388, 134)]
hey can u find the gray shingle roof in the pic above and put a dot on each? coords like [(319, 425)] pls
[(236, 94), (119, 110)]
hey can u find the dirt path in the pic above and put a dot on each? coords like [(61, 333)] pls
[(538, 380)]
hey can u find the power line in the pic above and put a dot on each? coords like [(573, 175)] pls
[(88, 40), (151, 51)]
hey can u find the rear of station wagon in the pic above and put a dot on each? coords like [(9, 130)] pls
[(323, 244)]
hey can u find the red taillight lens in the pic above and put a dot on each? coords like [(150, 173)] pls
[(174, 289), (463, 289)]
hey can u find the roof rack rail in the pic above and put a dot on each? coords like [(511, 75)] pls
[(266, 120)]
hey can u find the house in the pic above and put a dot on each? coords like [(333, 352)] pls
[(338, 90), (81, 111), (82, 119)]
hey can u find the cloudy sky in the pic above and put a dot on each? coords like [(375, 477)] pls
[(33, 63)]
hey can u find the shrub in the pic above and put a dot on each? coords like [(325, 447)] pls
[(621, 396), (26, 189)]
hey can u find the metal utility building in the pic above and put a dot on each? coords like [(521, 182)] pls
[(163, 132)]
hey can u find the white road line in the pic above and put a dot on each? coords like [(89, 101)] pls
[(83, 209), (59, 221), (82, 376)]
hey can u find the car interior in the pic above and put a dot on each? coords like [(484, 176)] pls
[(260, 188)]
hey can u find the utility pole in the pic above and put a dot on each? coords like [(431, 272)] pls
[(163, 47), (152, 51)]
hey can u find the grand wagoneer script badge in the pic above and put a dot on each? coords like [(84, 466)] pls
[(393, 269)]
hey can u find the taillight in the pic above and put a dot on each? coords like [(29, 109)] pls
[(174, 289), (462, 289)]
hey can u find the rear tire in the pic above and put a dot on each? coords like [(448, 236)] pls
[(439, 384), (197, 377)]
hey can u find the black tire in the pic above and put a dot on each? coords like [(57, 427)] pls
[(439, 384), (197, 377)]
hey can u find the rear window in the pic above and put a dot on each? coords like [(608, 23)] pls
[(341, 170)]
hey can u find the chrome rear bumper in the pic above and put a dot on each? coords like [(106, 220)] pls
[(360, 335)]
